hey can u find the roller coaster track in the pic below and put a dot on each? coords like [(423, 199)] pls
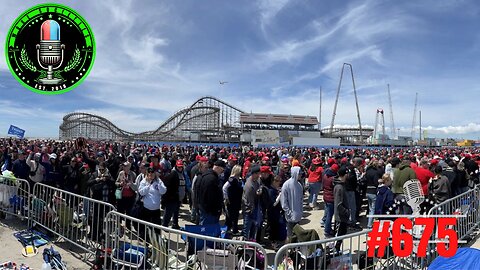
[(206, 113)]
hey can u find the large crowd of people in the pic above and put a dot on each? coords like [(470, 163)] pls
[(264, 186)]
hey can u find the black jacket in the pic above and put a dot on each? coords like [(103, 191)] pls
[(371, 176), (341, 210), (461, 179), (171, 181), (352, 181), (210, 194), (234, 192)]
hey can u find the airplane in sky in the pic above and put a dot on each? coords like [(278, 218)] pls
[(222, 82)]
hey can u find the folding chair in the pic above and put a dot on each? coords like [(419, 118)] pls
[(194, 244), (163, 258)]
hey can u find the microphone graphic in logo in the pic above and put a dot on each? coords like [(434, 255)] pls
[(56, 64), (50, 51)]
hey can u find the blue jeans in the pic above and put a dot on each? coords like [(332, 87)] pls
[(249, 226), (313, 189), (171, 210), (329, 211), (208, 219), (352, 204), (371, 208)]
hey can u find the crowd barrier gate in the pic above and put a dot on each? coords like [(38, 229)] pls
[(77, 219), (15, 197), (137, 244), (88, 223), (466, 207)]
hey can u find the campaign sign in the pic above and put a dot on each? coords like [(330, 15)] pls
[(13, 130)]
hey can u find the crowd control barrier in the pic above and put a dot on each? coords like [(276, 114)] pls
[(94, 226), (465, 207), (15, 197), (134, 243), (77, 219)]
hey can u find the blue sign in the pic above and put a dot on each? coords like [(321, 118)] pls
[(13, 130)]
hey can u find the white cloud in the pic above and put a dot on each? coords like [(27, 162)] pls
[(269, 9)]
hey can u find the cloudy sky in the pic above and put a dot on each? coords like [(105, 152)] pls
[(155, 57)]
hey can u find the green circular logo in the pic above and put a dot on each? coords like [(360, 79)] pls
[(50, 49)]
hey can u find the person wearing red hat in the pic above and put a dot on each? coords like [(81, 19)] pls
[(266, 171), (265, 161), (330, 162), (314, 181), (246, 166), (424, 174), (196, 174), (328, 198), (231, 162)]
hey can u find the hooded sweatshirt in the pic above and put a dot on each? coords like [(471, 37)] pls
[(385, 199), (292, 197), (341, 210), (404, 173)]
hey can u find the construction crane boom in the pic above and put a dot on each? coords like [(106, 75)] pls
[(414, 121), (356, 101), (392, 123)]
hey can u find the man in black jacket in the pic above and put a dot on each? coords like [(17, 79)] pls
[(171, 199), (210, 199), (341, 209)]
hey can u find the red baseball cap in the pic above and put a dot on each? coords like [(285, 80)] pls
[(331, 161), (179, 163), (265, 158), (203, 159), (334, 168), (317, 161), (232, 157), (265, 169)]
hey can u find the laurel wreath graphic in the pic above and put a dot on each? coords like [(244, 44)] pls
[(26, 62), (74, 62)]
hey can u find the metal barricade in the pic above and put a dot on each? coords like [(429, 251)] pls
[(466, 207), (15, 197), (331, 253), (134, 243), (77, 219), (344, 252)]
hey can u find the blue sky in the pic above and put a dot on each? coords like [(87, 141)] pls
[(155, 57)]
